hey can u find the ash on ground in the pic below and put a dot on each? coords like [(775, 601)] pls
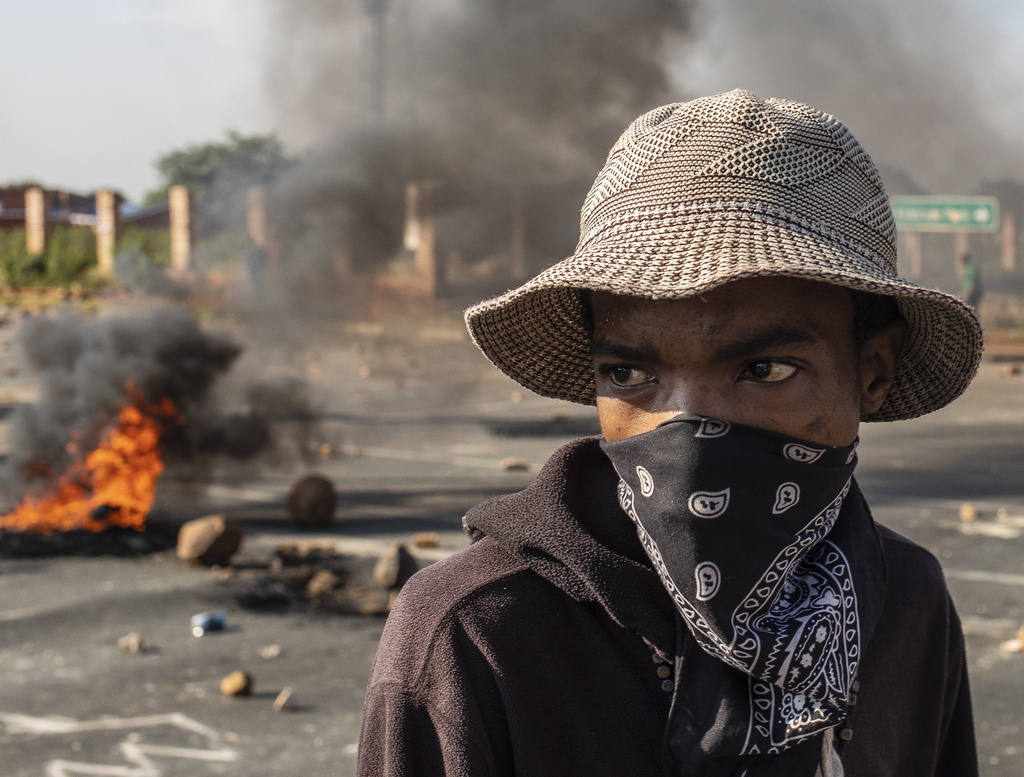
[(123, 543)]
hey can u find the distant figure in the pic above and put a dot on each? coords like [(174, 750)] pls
[(970, 280)]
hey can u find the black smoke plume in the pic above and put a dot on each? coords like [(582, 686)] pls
[(485, 97), (89, 370)]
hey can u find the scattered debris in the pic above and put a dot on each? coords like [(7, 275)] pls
[(131, 643), (312, 501), (238, 683), (394, 567), (513, 463), (210, 541), (270, 652), (426, 539), (1015, 645), (285, 701), (313, 575), (208, 621), (968, 512)]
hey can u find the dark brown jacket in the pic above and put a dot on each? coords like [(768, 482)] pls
[(536, 651)]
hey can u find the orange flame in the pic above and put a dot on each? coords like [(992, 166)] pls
[(113, 486)]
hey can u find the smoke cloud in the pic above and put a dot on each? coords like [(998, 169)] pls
[(923, 85), (496, 99), (484, 96), (89, 368)]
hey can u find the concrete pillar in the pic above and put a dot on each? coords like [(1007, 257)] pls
[(419, 233), (256, 215), (518, 237), (180, 206), (912, 240), (1008, 234), (37, 220), (108, 229)]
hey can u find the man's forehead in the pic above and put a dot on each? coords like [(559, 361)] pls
[(744, 303)]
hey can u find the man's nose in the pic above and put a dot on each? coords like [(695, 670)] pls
[(691, 395)]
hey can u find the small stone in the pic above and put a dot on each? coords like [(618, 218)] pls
[(1011, 369), (210, 541), (238, 683), (1014, 645), (270, 652), (312, 502), (325, 450), (426, 539), (364, 371), (513, 463), (285, 701), (323, 583), (516, 397), (968, 512), (560, 415), (394, 567), (131, 643)]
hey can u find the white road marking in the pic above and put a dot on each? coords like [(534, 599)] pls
[(136, 753), (981, 576)]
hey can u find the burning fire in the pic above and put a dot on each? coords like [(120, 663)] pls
[(115, 483)]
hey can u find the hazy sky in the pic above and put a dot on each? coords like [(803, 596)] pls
[(94, 90)]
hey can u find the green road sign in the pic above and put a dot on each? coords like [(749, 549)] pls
[(946, 214)]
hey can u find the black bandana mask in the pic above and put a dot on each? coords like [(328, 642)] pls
[(771, 574)]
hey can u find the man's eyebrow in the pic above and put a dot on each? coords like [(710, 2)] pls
[(604, 348), (763, 340)]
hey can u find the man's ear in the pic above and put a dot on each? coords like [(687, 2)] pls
[(879, 357)]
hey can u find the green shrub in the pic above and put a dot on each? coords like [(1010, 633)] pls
[(153, 244), (69, 255)]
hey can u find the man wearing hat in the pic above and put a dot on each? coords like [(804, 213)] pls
[(702, 590)]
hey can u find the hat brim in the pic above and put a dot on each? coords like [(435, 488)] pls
[(538, 333)]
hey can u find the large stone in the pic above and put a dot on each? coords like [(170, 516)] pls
[(394, 567), (312, 501), (210, 541)]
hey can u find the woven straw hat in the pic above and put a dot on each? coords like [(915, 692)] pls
[(697, 194)]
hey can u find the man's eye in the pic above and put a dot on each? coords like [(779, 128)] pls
[(627, 376), (768, 371)]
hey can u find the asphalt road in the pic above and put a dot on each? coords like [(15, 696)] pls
[(414, 428)]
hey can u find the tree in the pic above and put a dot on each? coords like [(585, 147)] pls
[(242, 160)]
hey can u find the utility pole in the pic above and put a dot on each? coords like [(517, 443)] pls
[(376, 57)]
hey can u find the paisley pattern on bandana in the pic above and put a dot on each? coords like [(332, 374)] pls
[(743, 527)]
